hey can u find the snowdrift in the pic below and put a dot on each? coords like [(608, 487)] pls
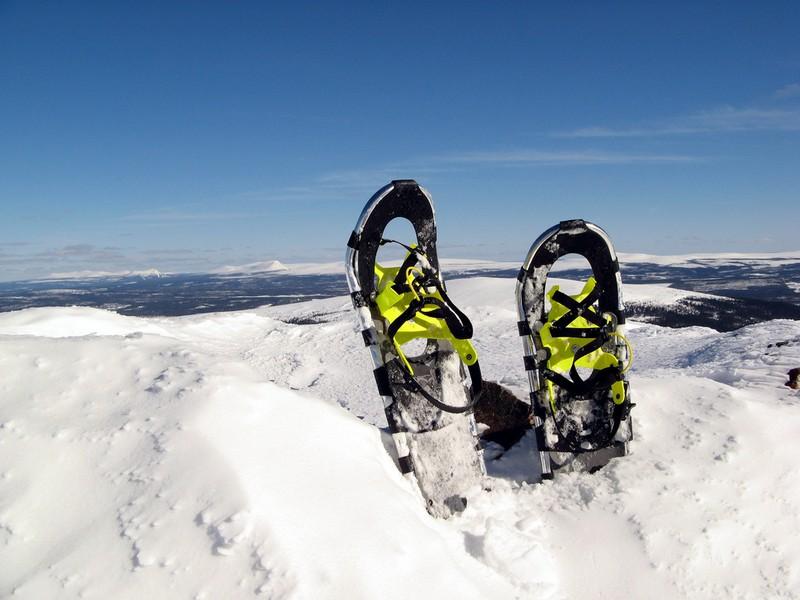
[(237, 455)]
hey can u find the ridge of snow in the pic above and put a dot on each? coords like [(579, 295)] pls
[(73, 321)]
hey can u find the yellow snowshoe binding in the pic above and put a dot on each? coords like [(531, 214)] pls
[(414, 305), (575, 336)]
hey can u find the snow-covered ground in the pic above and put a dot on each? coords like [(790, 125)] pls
[(233, 455)]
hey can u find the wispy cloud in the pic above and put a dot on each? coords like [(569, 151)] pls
[(788, 91), (170, 251), (366, 179), (545, 158), (343, 184), (725, 119), (32, 263), (24, 262), (170, 215), (82, 252), (331, 186)]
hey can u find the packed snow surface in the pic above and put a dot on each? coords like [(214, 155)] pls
[(237, 455)]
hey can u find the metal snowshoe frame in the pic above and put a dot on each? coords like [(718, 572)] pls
[(436, 441), (589, 336)]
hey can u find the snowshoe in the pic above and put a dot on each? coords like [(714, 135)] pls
[(428, 407), (576, 353)]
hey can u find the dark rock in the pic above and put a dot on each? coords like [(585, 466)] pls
[(506, 416), (794, 379)]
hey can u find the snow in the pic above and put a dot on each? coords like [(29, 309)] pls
[(269, 266), (236, 455), (72, 321), (144, 274), (718, 258)]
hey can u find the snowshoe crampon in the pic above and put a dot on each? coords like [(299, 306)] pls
[(428, 407), (576, 353)]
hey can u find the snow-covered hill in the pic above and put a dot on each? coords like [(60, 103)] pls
[(269, 266), (232, 455)]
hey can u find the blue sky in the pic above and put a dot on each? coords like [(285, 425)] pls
[(185, 136)]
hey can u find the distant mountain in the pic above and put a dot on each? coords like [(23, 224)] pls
[(267, 266), (143, 274)]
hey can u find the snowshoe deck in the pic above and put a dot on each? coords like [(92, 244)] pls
[(428, 408), (576, 353)]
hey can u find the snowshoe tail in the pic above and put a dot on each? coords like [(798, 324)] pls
[(428, 408), (576, 353)]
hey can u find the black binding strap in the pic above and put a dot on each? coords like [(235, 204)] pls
[(581, 387), (601, 378), (599, 335), (578, 332), (461, 328), (577, 309), (576, 384), (400, 286), (475, 390), (458, 323)]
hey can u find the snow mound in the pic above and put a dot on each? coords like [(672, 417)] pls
[(73, 321), (133, 467)]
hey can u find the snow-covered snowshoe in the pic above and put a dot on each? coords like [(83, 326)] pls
[(428, 407), (576, 353)]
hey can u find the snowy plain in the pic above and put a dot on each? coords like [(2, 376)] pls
[(238, 454)]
